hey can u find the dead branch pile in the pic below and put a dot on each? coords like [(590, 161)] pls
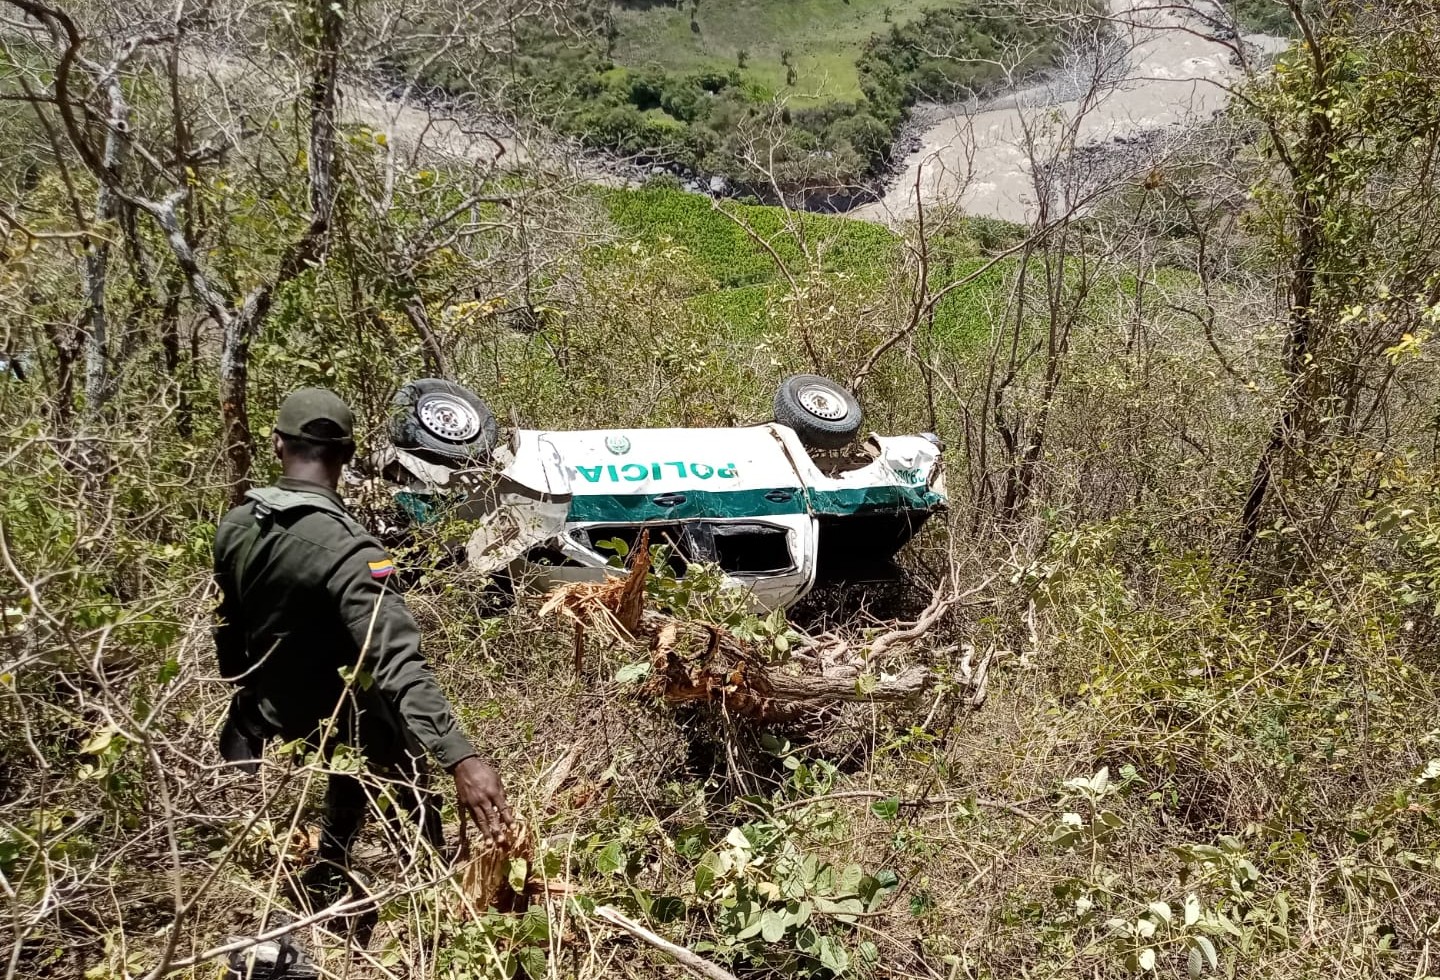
[(697, 662)]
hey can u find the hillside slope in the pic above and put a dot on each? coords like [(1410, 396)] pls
[(1192, 543)]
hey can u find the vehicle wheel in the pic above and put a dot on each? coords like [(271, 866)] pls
[(823, 414), (443, 418)]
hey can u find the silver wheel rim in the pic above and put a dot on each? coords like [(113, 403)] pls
[(448, 417), (823, 403)]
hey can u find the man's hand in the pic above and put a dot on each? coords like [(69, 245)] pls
[(479, 793)]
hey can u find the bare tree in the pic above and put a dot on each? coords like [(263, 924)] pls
[(238, 315)]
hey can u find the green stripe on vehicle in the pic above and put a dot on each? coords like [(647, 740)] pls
[(422, 508), (690, 504), (872, 500), (428, 508), (687, 504)]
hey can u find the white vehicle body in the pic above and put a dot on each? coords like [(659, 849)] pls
[(752, 500)]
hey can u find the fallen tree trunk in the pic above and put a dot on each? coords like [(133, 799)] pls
[(693, 662)]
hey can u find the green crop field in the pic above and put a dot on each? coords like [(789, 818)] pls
[(824, 36)]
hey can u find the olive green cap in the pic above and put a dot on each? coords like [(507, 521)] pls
[(302, 409)]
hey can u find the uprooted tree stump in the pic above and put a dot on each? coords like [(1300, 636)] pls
[(695, 662)]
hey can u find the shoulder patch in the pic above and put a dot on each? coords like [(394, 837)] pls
[(382, 568)]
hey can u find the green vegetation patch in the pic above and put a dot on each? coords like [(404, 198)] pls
[(819, 39), (965, 317), (1268, 17), (730, 255), (740, 286)]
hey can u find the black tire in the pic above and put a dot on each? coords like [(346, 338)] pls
[(823, 414), (440, 418)]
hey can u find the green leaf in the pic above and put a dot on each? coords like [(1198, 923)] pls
[(772, 925), (774, 744), (616, 545), (632, 672), (98, 742), (643, 899), (1195, 964), (611, 859), (800, 912), (1224, 922), (886, 809), (831, 955), (705, 873), (754, 922), (873, 889), (1161, 910), (1064, 837), (1192, 909), (1208, 948), (532, 961), (843, 909), (1431, 772), (517, 873), (1147, 959)]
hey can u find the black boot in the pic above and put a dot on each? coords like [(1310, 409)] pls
[(326, 883)]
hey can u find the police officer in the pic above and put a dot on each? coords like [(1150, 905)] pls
[(323, 649)]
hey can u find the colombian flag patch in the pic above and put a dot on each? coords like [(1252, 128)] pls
[(382, 568)]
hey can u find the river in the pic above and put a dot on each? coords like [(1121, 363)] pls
[(1164, 68)]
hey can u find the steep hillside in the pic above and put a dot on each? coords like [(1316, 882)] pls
[(1166, 661)]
